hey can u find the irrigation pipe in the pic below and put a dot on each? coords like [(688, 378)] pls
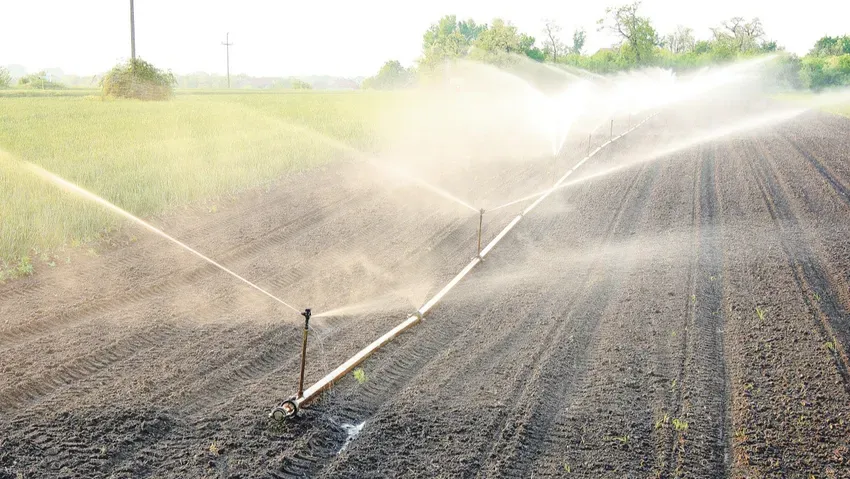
[(291, 406)]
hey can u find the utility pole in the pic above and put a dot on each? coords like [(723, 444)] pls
[(132, 35), (227, 44)]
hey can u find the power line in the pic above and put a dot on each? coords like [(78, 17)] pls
[(227, 44)]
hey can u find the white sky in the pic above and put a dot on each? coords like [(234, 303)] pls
[(337, 37)]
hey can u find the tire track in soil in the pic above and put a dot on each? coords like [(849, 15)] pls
[(702, 398), (841, 191), (81, 367), (407, 359), (515, 449), (808, 273)]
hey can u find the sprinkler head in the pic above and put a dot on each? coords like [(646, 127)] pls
[(307, 313)]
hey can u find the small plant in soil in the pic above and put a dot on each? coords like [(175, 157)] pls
[(661, 422), (830, 345), (567, 468), (760, 313), (680, 425), (215, 449), (24, 267), (360, 375)]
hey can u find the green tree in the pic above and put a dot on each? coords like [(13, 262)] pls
[(680, 41), (448, 39), (497, 43), (739, 35), (39, 81), (827, 46), (636, 32), (579, 37), (552, 45), (297, 84), (5, 78), (391, 76)]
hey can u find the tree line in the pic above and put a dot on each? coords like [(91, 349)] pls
[(639, 45)]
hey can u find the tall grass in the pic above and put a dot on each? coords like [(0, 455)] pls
[(148, 157)]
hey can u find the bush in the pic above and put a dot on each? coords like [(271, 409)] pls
[(39, 80), (297, 84), (5, 78), (138, 79)]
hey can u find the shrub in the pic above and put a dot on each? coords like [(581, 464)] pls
[(5, 78), (39, 80), (297, 84), (138, 79)]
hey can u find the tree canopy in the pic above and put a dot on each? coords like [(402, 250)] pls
[(391, 76), (639, 45)]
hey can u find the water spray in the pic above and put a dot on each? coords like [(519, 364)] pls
[(67, 185), (291, 406)]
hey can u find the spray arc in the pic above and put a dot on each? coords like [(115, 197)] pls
[(290, 407)]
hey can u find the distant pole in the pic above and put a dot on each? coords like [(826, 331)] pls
[(227, 47), (132, 34)]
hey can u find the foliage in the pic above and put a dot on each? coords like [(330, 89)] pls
[(450, 39), (829, 46), (680, 41), (5, 77), (637, 33), (553, 47), (391, 76), (818, 72), (40, 80), (138, 79), (297, 84), (579, 38), (739, 35)]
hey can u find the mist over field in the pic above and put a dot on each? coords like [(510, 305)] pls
[(516, 256)]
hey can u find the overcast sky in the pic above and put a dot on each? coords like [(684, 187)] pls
[(337, 37)]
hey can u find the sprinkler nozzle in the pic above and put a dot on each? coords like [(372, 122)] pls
[(307, 313)]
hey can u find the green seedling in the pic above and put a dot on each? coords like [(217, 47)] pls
[(761, 313), (830, 345), (680, 425), (360, 375), (24, 267)]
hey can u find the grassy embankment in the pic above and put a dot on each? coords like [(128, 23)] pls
[(149, 157), (832, 102)]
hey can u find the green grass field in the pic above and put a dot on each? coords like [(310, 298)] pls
[(837, 105), (148, 157)]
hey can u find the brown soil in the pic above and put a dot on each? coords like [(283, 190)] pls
[(683, 318)]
